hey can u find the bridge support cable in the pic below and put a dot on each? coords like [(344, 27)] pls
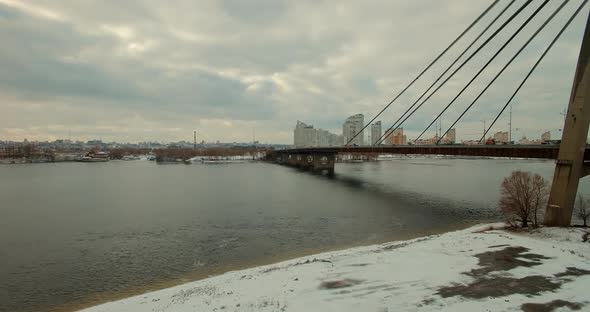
[(569, 21), (528, 20), (508, 21), (381, 138), (549, 19), (485, 12)]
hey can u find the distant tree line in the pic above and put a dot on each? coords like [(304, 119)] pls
[(187, 153), (118, 153), (28, 151)]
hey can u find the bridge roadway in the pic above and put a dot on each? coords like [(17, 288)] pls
[(320, 159), (506, 151)]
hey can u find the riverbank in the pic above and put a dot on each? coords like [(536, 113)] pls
[(465, 270), (110, 296)]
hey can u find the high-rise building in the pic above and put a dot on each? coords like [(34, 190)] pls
[(306, 136), (546, 136), (451, 136), (375, 132), (351, 127), (398, 137), (395, 137), (327, 138), (501, 137), (387, 137)]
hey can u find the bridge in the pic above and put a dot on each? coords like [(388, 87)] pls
[(572, 156), (503, 151), (323, 159)]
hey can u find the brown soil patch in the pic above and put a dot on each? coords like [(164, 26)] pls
[(550, 306), (571, 271), (500, 286), (339, 284), (505, 259)]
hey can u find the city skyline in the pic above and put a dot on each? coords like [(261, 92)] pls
[(110, 73)]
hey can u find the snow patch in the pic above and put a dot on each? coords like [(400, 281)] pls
[(468, 270)]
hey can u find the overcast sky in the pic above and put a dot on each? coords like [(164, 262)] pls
[(157, 70)]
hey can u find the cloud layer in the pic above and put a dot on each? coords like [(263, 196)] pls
[(153, 70)]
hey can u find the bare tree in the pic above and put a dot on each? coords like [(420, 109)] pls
[(539, 189), (583, 210), (523, 196)]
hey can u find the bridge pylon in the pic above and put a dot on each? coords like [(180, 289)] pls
[(570, 167)]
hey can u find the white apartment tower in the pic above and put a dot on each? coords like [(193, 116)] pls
[(375, 132), (351, 127), (306, 136)]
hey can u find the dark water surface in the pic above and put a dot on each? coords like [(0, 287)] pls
[(73, 234)]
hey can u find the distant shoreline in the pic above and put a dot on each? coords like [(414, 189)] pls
[(397, 157)]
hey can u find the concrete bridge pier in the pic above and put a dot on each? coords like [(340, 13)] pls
[(570, 166), (314, 162), (322, 163)]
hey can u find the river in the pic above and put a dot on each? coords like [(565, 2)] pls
[(77, 234)]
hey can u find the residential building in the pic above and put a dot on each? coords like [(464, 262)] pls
[(450, 137), (526, 141), (395, 137), (546, 136), (351, 127), (431, 141), (327, 138), (501, 137), (375, 132), (306, 136)]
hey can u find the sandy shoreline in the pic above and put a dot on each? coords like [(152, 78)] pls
[(426, 273)]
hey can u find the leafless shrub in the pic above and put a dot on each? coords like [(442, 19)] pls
[(523, 196), (583, 211)]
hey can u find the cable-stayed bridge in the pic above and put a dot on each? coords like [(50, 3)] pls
[(572, 155)]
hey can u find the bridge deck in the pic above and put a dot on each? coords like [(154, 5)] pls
[(514, 151)]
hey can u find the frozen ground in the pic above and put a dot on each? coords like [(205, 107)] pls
[(477, 269)]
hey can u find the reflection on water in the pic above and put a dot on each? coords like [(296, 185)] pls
[(80, 232)]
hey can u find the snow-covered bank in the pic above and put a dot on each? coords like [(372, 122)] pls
[(470, 270)]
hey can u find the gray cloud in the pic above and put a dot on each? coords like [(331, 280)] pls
[(152, 70)]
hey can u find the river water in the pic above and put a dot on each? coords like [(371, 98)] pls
[(77, 234)]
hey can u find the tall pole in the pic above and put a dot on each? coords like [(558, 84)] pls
[(195, 140), (436, 128), (510, 126), (569, 167)]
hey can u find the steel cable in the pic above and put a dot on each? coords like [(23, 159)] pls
[(506, 66), (378, 141), (427, 67), (530, 18), (536, 65)]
